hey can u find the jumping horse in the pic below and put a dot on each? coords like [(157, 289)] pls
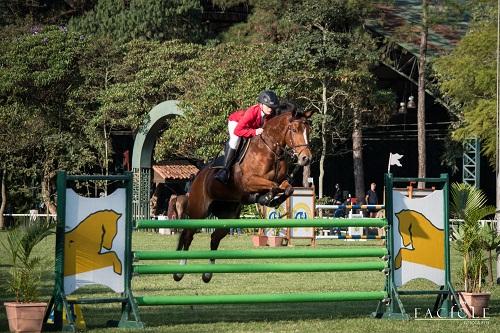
[(260, 177)]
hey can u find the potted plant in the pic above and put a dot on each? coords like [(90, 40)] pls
[(26, 313), (277, 238), (468, 204), (260, 239)]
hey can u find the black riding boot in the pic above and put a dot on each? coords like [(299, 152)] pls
[(223, 174)]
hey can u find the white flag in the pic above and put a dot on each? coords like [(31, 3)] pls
[(394, 160)]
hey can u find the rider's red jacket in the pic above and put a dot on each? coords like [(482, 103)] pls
[(248, 121)]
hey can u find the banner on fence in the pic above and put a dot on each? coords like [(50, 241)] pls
[(419, 238), (94, 241), (302, 207)]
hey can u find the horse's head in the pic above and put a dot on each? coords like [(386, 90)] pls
[(297, 135)]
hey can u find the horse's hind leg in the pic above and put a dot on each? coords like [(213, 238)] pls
[(185, 240), (216, 237)]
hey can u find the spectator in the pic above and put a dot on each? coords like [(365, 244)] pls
[(338, 200), (372, 199)]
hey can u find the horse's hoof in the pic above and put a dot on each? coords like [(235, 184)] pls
[(206, 277), (289, 191), (178, 277)]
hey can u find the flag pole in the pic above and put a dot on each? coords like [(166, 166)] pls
[(389, 164)]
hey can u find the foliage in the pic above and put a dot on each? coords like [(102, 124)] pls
[(13, 12), (467, 77), (265, 23), (24, 279), (122, 83), (224, 78), (40, 134), (491, 241), (468, 203), (326, 65), (134, 19), (330, 50)]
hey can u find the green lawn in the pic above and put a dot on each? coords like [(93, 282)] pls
[(305, 317)]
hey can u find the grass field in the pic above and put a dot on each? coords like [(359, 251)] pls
[(304, 317)]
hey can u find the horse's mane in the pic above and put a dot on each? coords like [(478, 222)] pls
[(285, 109)]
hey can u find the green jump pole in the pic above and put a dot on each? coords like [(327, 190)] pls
[(262, 298), (262, 254), (258, 223), (260, 268)]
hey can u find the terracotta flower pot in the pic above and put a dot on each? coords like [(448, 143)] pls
[(259, 240), (25, 317), (473, 304), (274, 241)]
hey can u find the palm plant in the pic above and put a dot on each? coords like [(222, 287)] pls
[(25, 273), (469, 205), (491, 241)]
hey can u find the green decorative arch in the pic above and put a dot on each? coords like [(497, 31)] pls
[(142, 155)]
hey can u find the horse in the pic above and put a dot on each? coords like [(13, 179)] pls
[(177, 205), (259, 177)]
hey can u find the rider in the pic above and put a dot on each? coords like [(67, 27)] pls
[(247, 123)]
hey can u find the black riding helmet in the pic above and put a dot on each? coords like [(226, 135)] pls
[(269, 98)]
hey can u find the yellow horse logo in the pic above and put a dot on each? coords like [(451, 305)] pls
[(423, 242), (83, 246)]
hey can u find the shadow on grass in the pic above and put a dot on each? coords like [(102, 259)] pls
[(247, 313), (240, 313)]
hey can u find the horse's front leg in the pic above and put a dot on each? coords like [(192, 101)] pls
[(288, 191), (216, 237), (254, 183)]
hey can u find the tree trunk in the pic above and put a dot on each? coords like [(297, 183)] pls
[(4, 200), (421, 94), (46, 193), (323, 143), (323, 146), (357, 156), (306, 173)]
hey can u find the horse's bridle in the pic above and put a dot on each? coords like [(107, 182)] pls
[(294, 146), (280, 155)]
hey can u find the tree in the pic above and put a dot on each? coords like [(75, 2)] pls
[(224, 78), (421, 92), (152, 19), (432, 14), (467, 78), (326, 64), (41, 11), (265, 22), (121, 84), (37, 72)]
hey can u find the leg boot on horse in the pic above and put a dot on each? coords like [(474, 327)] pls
[(216, 237), (185, 239)]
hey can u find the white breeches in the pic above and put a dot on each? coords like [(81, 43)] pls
[(233, 138)]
